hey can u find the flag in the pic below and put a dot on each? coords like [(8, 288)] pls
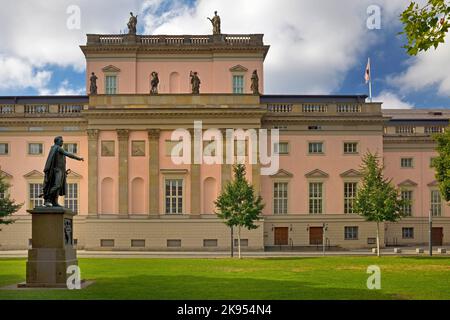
[(367, 74)]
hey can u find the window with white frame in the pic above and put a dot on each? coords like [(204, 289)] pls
[(350, 147), (111, 84), (238, 84), (71, 197), (35, 148), (280, 198), (406, 196), (281, 148), (174, 196), (4, 149), (35, 191), (408, 233), (350, 189), (315, 197), (436, 203), (406, 162), (71, 147), (351, 233), (315, 147)]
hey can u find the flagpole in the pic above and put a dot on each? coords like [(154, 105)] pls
[(370, 82)]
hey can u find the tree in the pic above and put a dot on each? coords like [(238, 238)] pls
[(377, 200), (238, 205), (7, 206), (425, 26), (442, 163)]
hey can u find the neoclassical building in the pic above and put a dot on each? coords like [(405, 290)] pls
[(130, 195)]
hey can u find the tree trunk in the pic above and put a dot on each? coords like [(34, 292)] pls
[(378, 239), (232, 242), (239, 241)]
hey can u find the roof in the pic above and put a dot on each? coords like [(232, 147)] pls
[(417, 114), (43, 99), (287, 98)]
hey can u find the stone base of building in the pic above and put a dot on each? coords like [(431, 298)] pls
[(207, 233)]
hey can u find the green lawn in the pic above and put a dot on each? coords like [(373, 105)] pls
[(277, 278)]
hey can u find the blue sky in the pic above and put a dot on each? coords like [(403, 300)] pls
[(317, 47)]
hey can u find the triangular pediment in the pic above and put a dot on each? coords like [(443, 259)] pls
[(282, 174), (110, 68), (352, 173), (5, 174), (317, 174), (238, 68), (407, 183), (34, 174), (74, 175), (433, 183)]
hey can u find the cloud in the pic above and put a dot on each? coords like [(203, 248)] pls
[(428, 69), (64, 89), (392, 101)]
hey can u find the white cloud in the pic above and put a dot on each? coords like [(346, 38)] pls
[(64, 89), (392, 101), (431, 68)]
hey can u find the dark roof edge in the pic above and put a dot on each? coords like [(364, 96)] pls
[(311, 98), (44, 99)]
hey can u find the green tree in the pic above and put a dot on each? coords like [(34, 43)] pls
[(442, 163), (238, 205), (7, 206), (377, 200), (425, 26)]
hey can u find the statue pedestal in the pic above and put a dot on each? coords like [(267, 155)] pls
[(52, 249)]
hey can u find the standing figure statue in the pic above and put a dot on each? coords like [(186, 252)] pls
[(195, 82), (93, 87), (55, 173), (132, 24), (154, 83), (255, 83), (216, 23)]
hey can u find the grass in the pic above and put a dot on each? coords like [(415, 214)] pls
[(269, 278)]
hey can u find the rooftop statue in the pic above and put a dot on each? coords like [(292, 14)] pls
[(154, 83), (255, 83), (55, 173), (195, 82), (132, 24), (93, 86), (216, 23)]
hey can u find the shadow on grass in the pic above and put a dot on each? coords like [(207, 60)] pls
[(180, 287)]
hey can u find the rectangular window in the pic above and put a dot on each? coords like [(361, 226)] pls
[(174, 196), (281, 148), (244, 242), (111, 84), (4, 148), (408, 233), (351, 233), (436, 204), (137, 243), (350, 147), (173, 243), (349, 196), (210, 242), (315, 147), (35, 191), (315, 197), (406, 196), (280, 197), (35, 148), (71, 147), (238, 84), (406, 162), (106, 242), (71, 197)]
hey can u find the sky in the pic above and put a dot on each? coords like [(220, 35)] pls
[(317, 46)]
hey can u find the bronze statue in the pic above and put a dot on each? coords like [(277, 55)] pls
[(195, 82), (216, 23), (55, 173), (132, 24), (93, 88), (255, 83), (154, 83)]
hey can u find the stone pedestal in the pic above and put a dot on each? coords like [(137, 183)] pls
[(52, 249)]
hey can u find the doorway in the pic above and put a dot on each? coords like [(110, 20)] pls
[(315, 235), (437, 235), (281, 236)]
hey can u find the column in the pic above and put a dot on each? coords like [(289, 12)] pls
[(195, 182), (122, 136), (153, 172), (92, 172), (225, 168)]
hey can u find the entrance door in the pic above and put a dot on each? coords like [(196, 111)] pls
[(281, 236), (437, 234), (315, 235)]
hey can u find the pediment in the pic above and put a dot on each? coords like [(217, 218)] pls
[(110, 68), (34, 174), (74, 175), (282, 174), (317, 174), (238, 68), (352, 173), (433, 183), (5, 174), (407, 183)]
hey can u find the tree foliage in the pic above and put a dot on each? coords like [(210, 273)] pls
[(7, 205), (425, 26), (442, 163), (238, 205)]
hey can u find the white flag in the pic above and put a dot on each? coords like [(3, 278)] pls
[(367, 74)]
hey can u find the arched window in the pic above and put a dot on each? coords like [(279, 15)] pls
[(137, 196), (108, 196), (174, 82)]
